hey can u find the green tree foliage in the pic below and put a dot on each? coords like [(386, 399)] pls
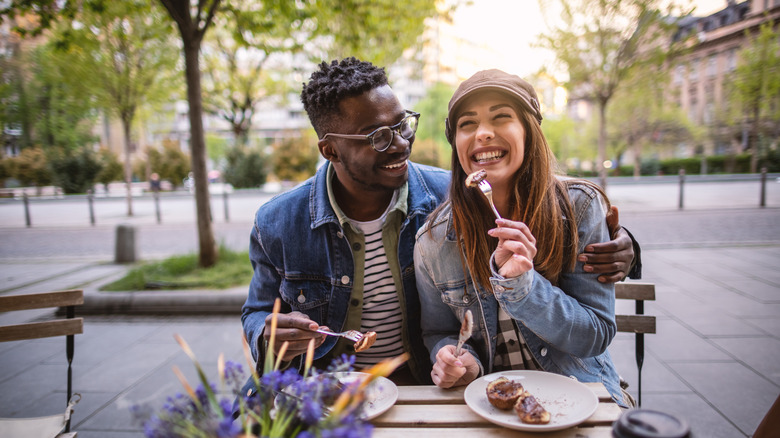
[(640, 118), (217, 148), (235, 55), (126, 53), (755, 88), (433, 111), (372, 30), (111, 169), (562, 136), (75, 171), (170, 163), (12, 99), (5, 170), (31, 167), (295, 157), (245, 167), (598, 41), (431, 153), (46, 104)]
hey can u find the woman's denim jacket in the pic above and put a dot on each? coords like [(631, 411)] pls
[(297, 247), (567, 328)]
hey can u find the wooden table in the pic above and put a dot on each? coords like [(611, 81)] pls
[(428, 411)]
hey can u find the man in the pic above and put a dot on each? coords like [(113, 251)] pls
[(338, 249)]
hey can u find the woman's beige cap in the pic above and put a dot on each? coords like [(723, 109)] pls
[(497, 80)]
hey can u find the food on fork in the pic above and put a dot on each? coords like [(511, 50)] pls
[(475, 178), (503, 393), (530, 411), (365, 342)]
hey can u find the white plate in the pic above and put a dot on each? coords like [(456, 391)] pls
[(381, 394), (568, 401)]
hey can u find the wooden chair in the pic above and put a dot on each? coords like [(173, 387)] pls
[(68, 327), (637, 323)]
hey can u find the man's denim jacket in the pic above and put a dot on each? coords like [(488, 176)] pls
[(567, 328), (297, 247)]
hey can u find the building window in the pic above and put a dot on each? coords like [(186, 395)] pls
[(712, 62), (731, 60), (679, 73), (709, 113), (694, 75), (693, 110)]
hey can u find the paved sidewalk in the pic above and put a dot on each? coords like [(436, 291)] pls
[(715, 360)]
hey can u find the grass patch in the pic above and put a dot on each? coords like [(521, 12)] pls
[(183, 272)]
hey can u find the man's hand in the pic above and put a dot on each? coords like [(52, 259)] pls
[(449, 371), (613, 258), (295, 328)]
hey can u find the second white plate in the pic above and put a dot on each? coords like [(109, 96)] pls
[(381, 394)]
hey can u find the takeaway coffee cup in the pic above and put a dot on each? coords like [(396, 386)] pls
[(645, 423)]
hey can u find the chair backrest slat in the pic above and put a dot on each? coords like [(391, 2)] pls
[(46, 329), (42, 300), (635, 291), (635, 323)]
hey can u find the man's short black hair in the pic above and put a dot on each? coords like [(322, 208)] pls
[(334, 82)]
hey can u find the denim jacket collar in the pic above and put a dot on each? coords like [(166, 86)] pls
[(420, 197)]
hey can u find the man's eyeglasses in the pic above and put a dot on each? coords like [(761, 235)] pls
[(382, 138)]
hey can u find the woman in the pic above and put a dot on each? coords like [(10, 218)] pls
[(534, 307)]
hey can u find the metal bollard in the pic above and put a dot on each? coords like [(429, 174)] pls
[(762, 202), (157, 206), (125, 244), (26, 209), (682, 181), (90, 201), (225, 201)]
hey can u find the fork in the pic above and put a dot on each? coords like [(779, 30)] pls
[(352, 335), (487, 190)]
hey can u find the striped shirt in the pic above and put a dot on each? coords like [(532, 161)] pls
[(381, 308)]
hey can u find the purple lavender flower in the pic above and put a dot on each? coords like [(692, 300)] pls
[(234, 375), (311, 411), (357, 429), (227, 428)]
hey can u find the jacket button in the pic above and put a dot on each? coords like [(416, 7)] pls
[(355, 302), (356, 246), (543, 352), (345, 280), (499, 288), (340, 235), (572, 377)]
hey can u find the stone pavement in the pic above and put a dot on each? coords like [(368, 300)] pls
[(715, 360)]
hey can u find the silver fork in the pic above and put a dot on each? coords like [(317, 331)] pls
[(352, 335), (487, 190)]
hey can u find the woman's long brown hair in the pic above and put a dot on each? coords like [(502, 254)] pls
[(539, 199)]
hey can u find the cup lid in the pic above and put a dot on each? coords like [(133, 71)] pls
[(645, 423)]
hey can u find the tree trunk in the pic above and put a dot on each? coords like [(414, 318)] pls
[(208, 247), (128, 166), (602, 153), (637, 159), (754, 145)]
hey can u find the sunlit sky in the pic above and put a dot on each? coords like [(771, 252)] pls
[(510, 28)]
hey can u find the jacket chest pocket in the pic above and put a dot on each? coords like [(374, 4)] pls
[(307, 296), (458, 295)]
